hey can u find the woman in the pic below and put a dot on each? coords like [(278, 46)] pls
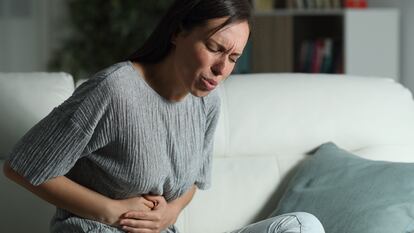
[(128, 149)]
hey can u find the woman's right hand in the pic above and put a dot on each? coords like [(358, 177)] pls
[(123, 206)]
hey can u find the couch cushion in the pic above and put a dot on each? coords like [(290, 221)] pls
[(351, 194), (25, 98), (241, 187)]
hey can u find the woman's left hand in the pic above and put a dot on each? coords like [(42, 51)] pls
[(160, 218)]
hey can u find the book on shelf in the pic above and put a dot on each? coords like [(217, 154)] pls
[(327, 56), (337, 4), (291, 4), (355, 4), (263, 5), (280, 4), (317, 4), (299, 4), (321, 55), (311, 4), (302, 56), (317, 56), (327, 4)]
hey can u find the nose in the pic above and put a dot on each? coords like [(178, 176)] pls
[(219, 66)]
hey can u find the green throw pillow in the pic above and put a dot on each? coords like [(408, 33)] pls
[(349, 194)]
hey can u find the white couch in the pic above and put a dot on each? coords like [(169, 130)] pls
[(268, 123)]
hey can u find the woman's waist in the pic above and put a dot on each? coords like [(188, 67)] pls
[(122, 187)]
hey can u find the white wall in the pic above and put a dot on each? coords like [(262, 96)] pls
[(18, 35), (407, 37), (29, 31)]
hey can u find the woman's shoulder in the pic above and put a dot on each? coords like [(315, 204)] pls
[(112, 79), (117, 72), (106, 86)]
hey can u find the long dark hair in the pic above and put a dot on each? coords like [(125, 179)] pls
[(184, 15)]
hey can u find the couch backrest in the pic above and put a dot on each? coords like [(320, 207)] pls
[(293, 113), (25, 98), (269, 122)]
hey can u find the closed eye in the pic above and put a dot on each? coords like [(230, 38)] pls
[(211, 49), (217, 48), (234, 59)]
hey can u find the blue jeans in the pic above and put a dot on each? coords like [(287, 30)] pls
[(298, 222)]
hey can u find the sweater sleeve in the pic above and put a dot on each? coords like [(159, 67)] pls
[(203, 180), (52, 147)]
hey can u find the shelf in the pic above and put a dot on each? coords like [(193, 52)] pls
[(351, 41), (298, 12)]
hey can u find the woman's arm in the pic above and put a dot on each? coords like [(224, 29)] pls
[(163, 215), (77, 199), (180, 203)]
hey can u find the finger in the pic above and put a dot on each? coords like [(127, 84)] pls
[(148, 203), (136, 230), (130, 214), (154, 198), (151, 216), (157, 200), (138, 224)]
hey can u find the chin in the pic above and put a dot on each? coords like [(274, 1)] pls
[(199, 93)]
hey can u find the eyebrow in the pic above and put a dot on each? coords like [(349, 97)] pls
[(221, 46)]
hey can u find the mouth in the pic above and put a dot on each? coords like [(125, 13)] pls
[(208, 84)]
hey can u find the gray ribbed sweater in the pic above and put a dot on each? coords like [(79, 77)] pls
[(117, 136)]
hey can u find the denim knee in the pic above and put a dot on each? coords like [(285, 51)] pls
[(308, 222)]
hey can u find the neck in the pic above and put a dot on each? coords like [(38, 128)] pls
[(163, 79)]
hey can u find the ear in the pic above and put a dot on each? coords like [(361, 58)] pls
[(174, 39)]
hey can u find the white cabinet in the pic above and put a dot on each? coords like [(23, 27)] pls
[(372, 42)]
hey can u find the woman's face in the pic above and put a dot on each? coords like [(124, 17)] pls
[(202, 60)]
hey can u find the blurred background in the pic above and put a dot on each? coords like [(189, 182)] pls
[(370, 37)]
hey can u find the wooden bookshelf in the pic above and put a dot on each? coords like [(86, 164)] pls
[(364, 42)]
